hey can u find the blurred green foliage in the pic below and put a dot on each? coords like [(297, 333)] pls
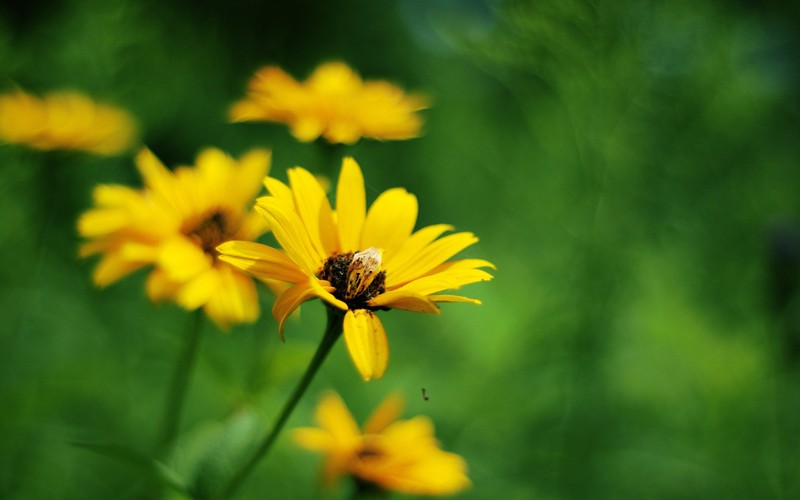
[(632, 169)]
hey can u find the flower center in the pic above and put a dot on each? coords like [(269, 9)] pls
[(212, 230), (357, 277)]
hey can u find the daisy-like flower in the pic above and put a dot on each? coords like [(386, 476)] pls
[(174, 224), (334, 103), (357, 261), (65, 120), (390, 454)]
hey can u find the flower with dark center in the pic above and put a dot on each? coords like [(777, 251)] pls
[(357, 261), (174, 224)]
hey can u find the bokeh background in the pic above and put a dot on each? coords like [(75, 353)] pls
[(632, 168)]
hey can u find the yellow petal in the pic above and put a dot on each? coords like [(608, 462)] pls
[(156, 176), (413, 245), (261, 261), (198, 290), (291, 299), (159, 287), (279, 190), (253, 166), (351, 206), (385, 414), (452, 298), (430, 257), (451, 279), (405, 301), (234, 301), (182, 260), (333, 416), (313, 439), (113, 267), (366, 342), (390, 220), (314, 209), (290, 233)]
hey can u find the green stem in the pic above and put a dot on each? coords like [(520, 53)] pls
[(180, 380), (332, 333)]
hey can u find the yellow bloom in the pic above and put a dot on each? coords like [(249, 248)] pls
[(65, 120), (356, 261), (174, 224), (333, 103), (397, 455)]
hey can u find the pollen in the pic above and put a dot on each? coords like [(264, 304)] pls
[(357, 277)]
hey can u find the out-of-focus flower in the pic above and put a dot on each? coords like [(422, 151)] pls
[(175, 224), (356, 261), (65, 120), (333, 103), (391, 454)]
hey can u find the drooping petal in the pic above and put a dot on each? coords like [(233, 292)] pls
[(366, 342), (291, 299), (289, 231), (429, 257), (351, 205), (261, 261), (314, 209), (390, 220)]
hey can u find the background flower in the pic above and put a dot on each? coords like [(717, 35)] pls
[(333, 103), (65, 120), (174, 224), (391, 454)]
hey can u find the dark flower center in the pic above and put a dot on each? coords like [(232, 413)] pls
[(357, 277), (212, 230)]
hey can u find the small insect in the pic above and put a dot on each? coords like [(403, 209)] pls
[(425, 394)]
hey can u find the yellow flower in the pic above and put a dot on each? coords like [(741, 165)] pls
[(356, 261), (174, 224), (397, 455), (65, 120), (333, 103)]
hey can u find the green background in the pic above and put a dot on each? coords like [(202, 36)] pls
[(632, 168)]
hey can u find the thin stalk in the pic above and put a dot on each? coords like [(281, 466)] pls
[(180, 381), (332, 333)]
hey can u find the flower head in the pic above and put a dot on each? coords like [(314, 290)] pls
[(174, 224), (65, 120), (333, 103), (357, 261), (391, 454)]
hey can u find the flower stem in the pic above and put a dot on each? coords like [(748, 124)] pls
[(332, 333), (180, 380)]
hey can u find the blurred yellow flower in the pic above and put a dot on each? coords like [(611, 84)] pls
[(356, 261), (397, 455), (174, 224), (333, 103), (65, 120)]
